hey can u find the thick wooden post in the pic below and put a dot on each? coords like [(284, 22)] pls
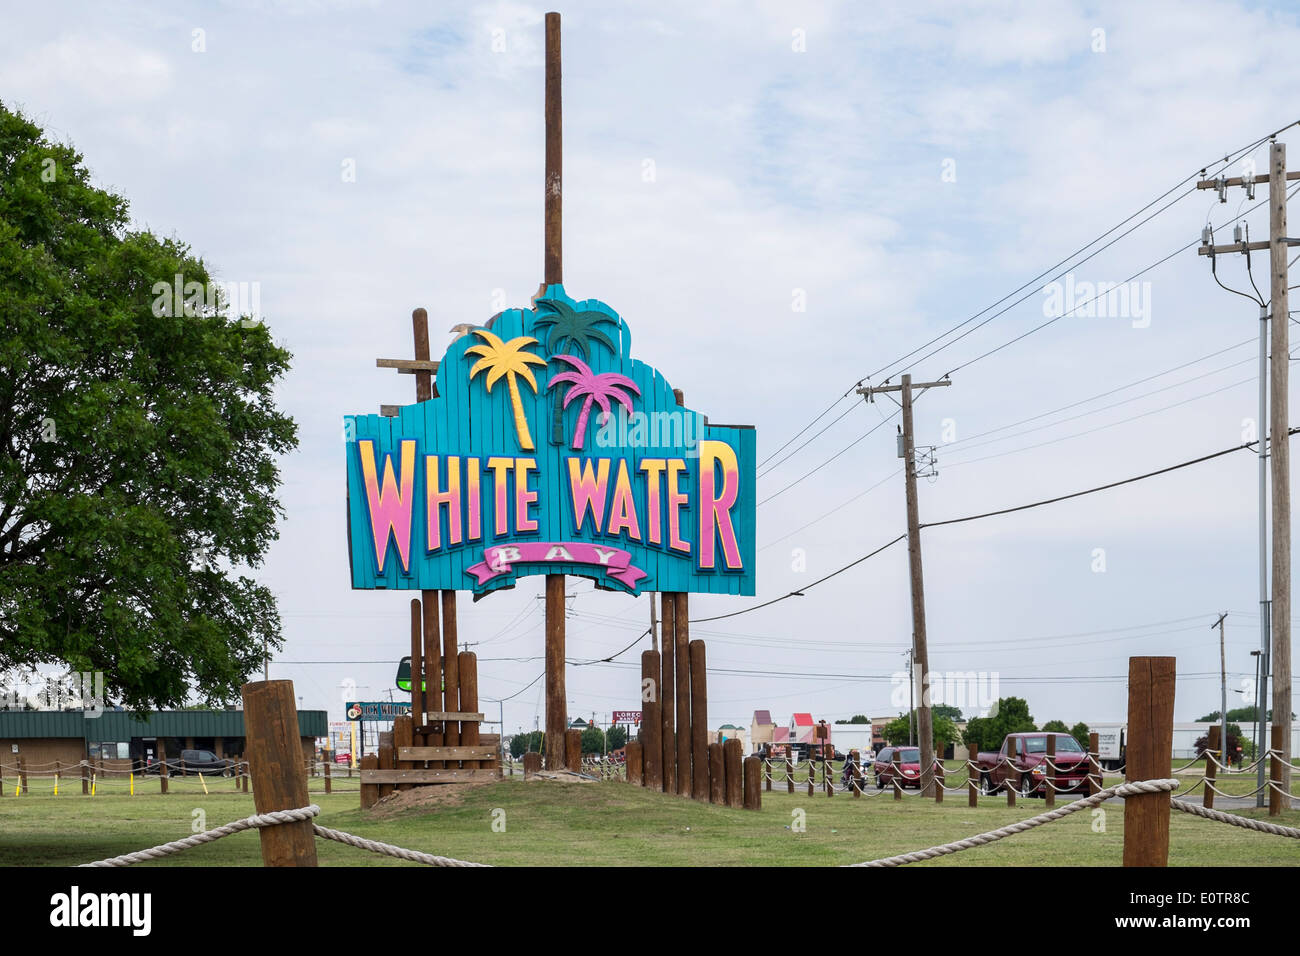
[(1276, 792), (733, 755), (329, 786), (699, 722), (939, 775), (1094, 764), (898, 774), (1212, 747), (789, 776), (403, 736), (717, 775), (434, 732), (274, 755), (633, 763), (163, 769), (467, 668), (668, 689), (682, 657), (451, 667), (972, 782), (652, 751), (22, 774), (1010, 776), (387, 761), (532, 764), (573, 750), (85, 778), (753, 799), (557, 709), (1049, 786), (1149, 756), (552, 261), (243, 762), (369, 791), (417, 664)]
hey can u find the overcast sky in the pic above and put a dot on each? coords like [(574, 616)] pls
[(893, 171)]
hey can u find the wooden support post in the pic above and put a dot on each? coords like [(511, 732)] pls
[(403, 736), (329, 786), (753, 798), (733, 755), (417, 664), (767, 774), (972, 782), (532, 764), (1212, 747), (1010, 777), (682, 656), (1149, 756), (369, 791), (668, 689), (573, 750), (387, 760), (828, 774), (557, 712), (243, 763), (1276, 793), (898, 774), (939, 776), (812, 774), (274, 753), (633, 763), (652, 753), (451, 666), (1049, 785), (717, 775), (163, 769), (467, 674), (22, 774), (1095, 778), (789, 776), (85, 778), (699, 721), (434, 733)]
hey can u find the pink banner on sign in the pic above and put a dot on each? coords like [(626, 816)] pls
[(500, 559)]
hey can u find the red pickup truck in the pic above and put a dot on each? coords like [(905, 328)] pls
[(1029, 775)]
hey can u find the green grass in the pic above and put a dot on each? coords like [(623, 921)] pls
[(604, 824)]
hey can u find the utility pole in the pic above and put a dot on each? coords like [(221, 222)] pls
[(654, 624), (911, 702), (1223, 692), (920, 651), (1275, 615)]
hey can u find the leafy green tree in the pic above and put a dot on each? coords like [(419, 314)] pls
[(1055, 727), (1080, 733), (1010, 715), (945, 731), (946, 710), (138, 445), (616, 737), (856, 719), (593, 740)]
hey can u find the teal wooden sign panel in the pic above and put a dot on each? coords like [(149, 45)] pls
[(550, 450)]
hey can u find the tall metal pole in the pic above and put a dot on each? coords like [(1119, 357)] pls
[(1280, 662), (920, 650), (556, 699)]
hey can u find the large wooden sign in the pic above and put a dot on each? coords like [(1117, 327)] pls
[(550, 450)]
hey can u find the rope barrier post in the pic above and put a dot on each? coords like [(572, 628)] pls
[(1094, 763), (828, 775), (898, 774), (767, 775), (812, 774), (972, 783), (85, 778), (1011, 779), (162, 766), (275, 758), (2, 780), (1211, 768), (1275, 795), (633, 763), (22, 774), (245, 776), (1149, 757), (1049, 791), (699, 716), (329, 786), (938, 780), (370, 791)]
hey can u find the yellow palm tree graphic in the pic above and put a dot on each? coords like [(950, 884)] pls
[(508, 360)]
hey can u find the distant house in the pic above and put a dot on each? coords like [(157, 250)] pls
[(761, 728), (728, 731), (803, 729)]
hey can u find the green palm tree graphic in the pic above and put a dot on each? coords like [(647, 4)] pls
[(577, 329)]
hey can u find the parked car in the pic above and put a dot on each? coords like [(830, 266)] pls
[(197, 762), (1028, 770), (907, 769)]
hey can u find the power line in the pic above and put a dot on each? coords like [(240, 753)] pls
[(818, 468)]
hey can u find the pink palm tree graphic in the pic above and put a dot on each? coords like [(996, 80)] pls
[(597, 388)]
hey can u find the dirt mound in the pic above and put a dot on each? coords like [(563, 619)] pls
[(425, 797)]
